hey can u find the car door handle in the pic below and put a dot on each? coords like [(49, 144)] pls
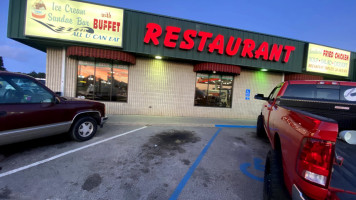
[(3, 113)]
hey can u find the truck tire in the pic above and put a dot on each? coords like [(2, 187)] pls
[(83, 129), (260, 130), (273, 186)]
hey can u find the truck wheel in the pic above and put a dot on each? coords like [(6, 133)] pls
[(83, 129), (273, 186), (260, 130)]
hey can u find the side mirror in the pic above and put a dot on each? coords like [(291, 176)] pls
[(348, 136), (57, 100), (58, 93), (260, 97)]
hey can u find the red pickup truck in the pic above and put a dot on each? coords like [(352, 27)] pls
[(311, 126)]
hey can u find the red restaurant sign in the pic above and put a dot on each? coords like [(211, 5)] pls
[(172, 34)]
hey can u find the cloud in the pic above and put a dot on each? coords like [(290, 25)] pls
[(21, 58), (14, 53)]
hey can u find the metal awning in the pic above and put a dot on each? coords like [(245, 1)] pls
[(101, 53), (217, 67)]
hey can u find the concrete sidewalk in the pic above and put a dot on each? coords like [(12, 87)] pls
[(144, 120)]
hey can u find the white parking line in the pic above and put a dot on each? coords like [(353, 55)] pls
[(66, 153)]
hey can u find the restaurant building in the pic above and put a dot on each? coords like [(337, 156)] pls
[(141, 63)]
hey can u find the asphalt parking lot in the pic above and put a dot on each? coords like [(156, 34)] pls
[(138, 162)]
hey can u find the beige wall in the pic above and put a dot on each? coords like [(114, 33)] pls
[(54, 69), (159, 87), (257, 82), (70, 83)]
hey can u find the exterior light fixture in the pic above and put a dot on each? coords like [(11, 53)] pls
[(264, 70), (158, 57), (214, 72)]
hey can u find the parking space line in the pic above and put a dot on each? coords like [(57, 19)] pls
[(66, 153), (185, 179), (234, 126)]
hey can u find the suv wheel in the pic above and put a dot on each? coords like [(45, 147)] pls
[(83, 129), (260, 130), (273, 186)]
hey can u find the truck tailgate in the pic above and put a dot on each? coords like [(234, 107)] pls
[(344, 177)]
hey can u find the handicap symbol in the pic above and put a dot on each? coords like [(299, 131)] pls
[(258, 165)]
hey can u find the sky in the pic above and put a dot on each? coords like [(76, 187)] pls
[(325, 22)]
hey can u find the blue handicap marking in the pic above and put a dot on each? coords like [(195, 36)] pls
[(247, 94), (258, 165)]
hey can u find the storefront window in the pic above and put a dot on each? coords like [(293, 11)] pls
[(85, 80), (120, 80), (102, 80), (103, 73), (213, 90)]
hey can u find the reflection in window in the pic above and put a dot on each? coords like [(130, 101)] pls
[(213, 90), (120, 80), (201, 89), (85, 80), (102, 80)]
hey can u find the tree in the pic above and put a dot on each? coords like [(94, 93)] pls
[(33, 74), (41, 75), (37, 75), (2, 68)]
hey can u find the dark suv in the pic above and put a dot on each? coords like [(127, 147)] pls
[(30, 110)]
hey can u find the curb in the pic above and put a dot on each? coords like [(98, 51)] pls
[(158, 124), (179, 124)]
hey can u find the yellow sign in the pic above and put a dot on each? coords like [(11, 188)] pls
[(328, 60), (74, 21)]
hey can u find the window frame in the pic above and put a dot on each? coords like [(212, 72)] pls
[(207, 91), (111, 63)]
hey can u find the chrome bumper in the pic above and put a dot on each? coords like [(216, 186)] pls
[(103, 120), (297, 194)]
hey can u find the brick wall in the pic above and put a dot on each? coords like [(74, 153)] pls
[(166, 88), (158, 87), (289, 77)]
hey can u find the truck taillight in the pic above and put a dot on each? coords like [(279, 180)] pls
[(314, 160)]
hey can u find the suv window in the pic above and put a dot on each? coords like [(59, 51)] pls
[(22, 90)]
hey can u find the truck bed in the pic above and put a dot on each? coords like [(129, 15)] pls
[(343, 113), (344, 176)]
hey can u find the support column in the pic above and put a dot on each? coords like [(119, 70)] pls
[(54, 69), (63, 72)]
